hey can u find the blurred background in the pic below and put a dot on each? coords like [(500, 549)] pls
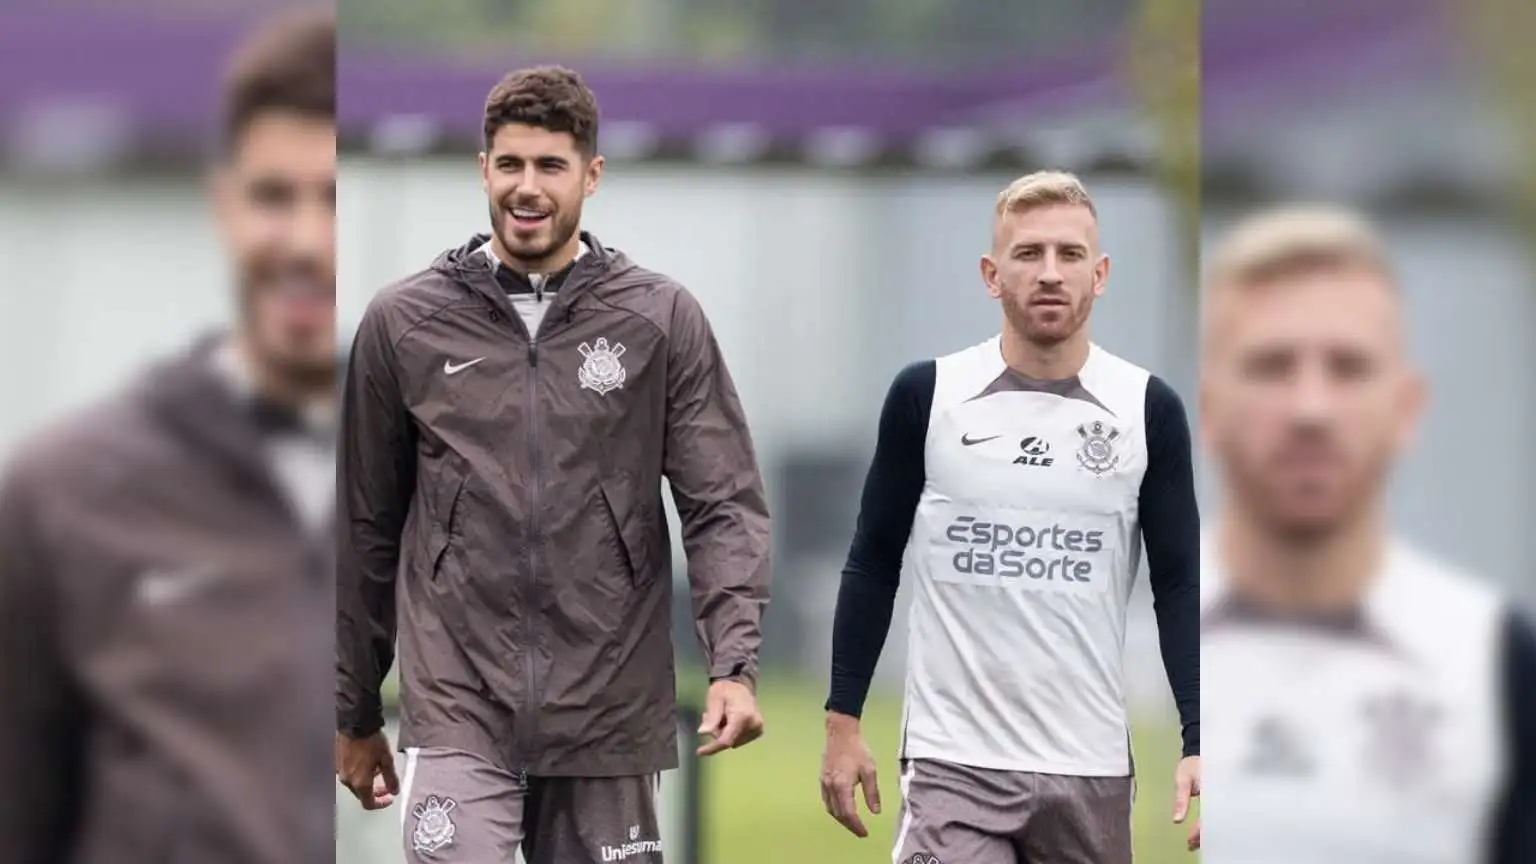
[(822, 176), (106, 113), (1419, 112)]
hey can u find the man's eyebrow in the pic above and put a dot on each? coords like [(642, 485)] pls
[(1070, 244), (547, 157)]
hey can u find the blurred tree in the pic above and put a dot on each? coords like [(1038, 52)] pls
[(939, 33), (1501, 31), (1164, 69)]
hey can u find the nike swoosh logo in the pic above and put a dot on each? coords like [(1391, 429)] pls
[(160, 588), (450, 369), (967, 440)]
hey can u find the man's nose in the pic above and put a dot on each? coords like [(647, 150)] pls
[(527, 180), (1314, 394), (1050, 275), (312, 234)]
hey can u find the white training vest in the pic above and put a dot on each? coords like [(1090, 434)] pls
[(1023, 552), (1381, 744)]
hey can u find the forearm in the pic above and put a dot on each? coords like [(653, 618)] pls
[(860, 626), (42, 713), (376, 482), (1515, 826), (728, 563), (1178, 624), (365, 644)]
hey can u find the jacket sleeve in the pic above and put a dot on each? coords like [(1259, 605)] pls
[(41, 712), (376, 476), (712, 467)]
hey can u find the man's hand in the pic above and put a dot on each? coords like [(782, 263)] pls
[(730, 717), (847, 763), (366, 766), (1186, 787)]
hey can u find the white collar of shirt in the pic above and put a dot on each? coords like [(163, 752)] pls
[(232, 366), (1390, 605), (490, 254)]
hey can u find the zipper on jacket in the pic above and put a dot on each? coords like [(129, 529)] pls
[(524, 729), (534, 533)]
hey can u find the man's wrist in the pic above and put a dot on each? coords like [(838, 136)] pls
[(840, 723), (356, 727), (740, 673), (1191, 738)]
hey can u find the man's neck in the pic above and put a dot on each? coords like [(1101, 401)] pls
[(1045, 362), (1326, 574), (552, 263), (268, 381)]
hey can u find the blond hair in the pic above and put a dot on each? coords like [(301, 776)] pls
[(1289, 239), (1044, 189)]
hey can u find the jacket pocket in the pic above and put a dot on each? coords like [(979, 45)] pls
[(629, 532), (446, 533)]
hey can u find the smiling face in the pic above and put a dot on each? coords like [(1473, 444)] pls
[(539, 165), (274, 192), (277, 207), (536, 181)]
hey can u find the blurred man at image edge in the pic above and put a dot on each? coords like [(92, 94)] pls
[(1366, 703), (165, 563)]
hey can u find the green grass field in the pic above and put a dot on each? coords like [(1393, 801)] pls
[(764, 807)]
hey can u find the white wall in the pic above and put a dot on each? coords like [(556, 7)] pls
[(93, 280)]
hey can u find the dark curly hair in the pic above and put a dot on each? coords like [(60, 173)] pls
[(548, 97), (288, 65)]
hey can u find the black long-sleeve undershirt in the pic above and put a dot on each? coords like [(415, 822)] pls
[(873, 571), (1515, 826), (1170, 529)]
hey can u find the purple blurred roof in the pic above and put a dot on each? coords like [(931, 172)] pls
[(160, 73)]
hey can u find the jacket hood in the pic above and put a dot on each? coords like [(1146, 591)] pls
[(464, 262)]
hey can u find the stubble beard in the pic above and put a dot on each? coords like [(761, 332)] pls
[(563, 226), (1021, 318)]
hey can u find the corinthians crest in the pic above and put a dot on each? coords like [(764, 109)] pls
[(434, 825), (602, 371), (1097, 455)]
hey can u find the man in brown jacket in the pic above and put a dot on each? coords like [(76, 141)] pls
[(508, 417), (165, 561)]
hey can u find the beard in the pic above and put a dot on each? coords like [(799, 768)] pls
[(295, 346), (1047, 326), (534, 251), (1285, 513)]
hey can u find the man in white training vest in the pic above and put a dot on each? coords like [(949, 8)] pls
[(1369, 705), (1017, 482)]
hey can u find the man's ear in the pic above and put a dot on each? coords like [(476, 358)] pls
[(485, 172), (594, 175), (223, 192), (1100, 275), (989, 277), (1410, 408)]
